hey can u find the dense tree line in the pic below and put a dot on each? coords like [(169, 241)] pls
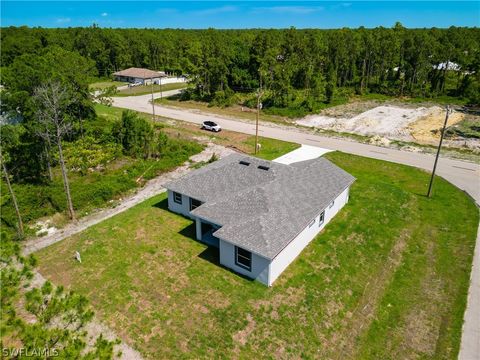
[(298, 67)]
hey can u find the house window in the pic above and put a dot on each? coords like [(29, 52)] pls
[(243, 258), (322, 218), (177, 197), (331, 204), (311, 224), (194, 203)]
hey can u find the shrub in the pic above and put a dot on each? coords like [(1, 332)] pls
[(135, 134), (87, 153)]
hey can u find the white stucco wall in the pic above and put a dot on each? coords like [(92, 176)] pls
[(292, 250), (198, 229), (260, 265), (173, 80), (183, 208), (264, 270)]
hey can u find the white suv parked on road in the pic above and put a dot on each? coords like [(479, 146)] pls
[(211, 126)]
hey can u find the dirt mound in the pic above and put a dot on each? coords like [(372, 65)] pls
[(387, 122), (427, 129)]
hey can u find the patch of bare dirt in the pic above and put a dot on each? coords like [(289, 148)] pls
[(350, 109), (291, 296), (384, 122), (241, 337), (427, 129), (93, 329), (217, 299)]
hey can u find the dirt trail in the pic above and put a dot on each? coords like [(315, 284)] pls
[(151, 188)]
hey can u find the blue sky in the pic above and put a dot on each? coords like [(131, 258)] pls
[(240, 14)]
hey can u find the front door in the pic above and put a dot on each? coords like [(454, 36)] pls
[(207, 236)]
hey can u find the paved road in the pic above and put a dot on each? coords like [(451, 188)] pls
[(462, 174)]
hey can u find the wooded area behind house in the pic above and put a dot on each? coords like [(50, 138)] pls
[(297, 68)]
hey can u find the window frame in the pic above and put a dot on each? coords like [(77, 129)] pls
[(312, 223), (244, 256), (175, 200), (331, 204), (191, 204), (321, 218)]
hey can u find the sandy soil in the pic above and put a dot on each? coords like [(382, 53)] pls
[(94, 328), (416, 124), (427, 128)]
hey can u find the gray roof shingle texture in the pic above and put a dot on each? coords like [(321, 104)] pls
[(262, 210)]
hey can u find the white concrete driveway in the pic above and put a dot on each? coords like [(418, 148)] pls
[(304, 152)]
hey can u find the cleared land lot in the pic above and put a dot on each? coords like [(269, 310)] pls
[(386, 279), (147, 89)]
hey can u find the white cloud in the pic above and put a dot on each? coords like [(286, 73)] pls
[(63, 20), (298, 10), (214, 11), (104, 14)]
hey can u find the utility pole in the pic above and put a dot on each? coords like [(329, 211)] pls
[(438, 151), (153, 101), (161, 92), (259, 94)]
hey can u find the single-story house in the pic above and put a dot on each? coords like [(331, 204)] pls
[(260, 214), (139, 75)]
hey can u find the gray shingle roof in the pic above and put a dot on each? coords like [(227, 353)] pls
[(262, 210), (225, 177)]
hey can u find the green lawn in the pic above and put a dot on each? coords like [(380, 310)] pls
[(386, 279), (105, 84), (270, 148), (147, 89)]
